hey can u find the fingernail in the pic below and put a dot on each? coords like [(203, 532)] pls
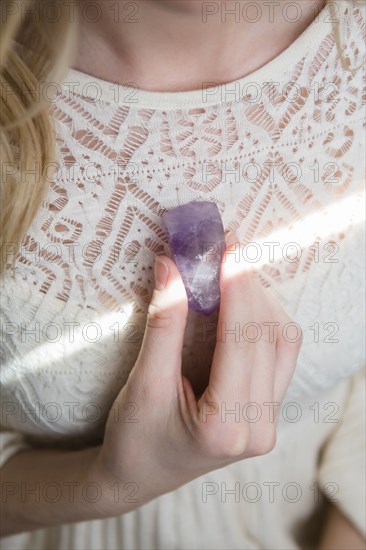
[(161, 272)]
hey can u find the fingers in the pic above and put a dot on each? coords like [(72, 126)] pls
[(288, 346), (286, 358), (242, 360), (257, 413), (233, 357), (160, 355), (253, 361)]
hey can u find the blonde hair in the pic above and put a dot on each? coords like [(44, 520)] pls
[(27, 143)]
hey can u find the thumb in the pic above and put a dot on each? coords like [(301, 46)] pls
[(161, 351)]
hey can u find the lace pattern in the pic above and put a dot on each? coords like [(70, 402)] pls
[(287, 167)]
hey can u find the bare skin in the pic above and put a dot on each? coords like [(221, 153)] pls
[(178, 437), (170, 48), (178, 45)]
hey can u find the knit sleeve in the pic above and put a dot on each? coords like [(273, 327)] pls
[(342, 467), (10, 443)]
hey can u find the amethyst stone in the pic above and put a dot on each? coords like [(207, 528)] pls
[(197, 240)]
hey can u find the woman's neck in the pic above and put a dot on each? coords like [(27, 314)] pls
[(179, 45)]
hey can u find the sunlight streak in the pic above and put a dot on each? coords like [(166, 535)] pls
[(63, 340), (289, 242), (328, 221)]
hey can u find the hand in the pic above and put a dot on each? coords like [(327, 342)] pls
[(178, 437)]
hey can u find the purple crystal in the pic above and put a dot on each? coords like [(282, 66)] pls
[(197, 241)]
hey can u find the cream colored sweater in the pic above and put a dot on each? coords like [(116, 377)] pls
[(281, 152)]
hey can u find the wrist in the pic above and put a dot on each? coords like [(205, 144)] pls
[(94, 484), (117, 494)]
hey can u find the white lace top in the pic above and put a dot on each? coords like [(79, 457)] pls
[(281, 152)]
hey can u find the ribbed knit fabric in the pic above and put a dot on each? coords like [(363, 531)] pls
[(281, 152)]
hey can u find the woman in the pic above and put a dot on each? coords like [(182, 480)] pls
[(125, 424)]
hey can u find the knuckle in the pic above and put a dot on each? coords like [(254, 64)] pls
[(265, 442), (168, 316), (158, 317), (261, 332), (225, 443)]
